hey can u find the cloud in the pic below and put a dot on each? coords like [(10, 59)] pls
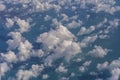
[(9, 56), (74, 24), (9, 22), (113, 67), (2, 7), (61, 69), (24, 49), (115, 74), (61, 42), (85, 30), (84, 66), (3, 68), (87, 40), (102, 66), (24, 26), (45, 76), (100, 5), (15, 41), (98, 52), (27, 74)]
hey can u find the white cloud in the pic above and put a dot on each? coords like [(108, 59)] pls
[(37, 53), (98, 52), (115, 74), (74, 24), (113, 67), (45, 76), (2, 7), (24, 49), (61, 69), (87, 63), (102, 66), (27, 74), (87, 40), (23, 25), (84, 66), (15, 41), (3, 68), (107, 6), (85, 30), (61, 42), (9, 22), (9, 56)]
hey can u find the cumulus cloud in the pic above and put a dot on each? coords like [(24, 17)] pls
[(74, 24), (113, 67), (3, 68), (24, 49), (84, 66), (23, 25), (45, 76), (15, 41), (61, 42), (98, 52), (87, 40), (100, 5), (85, 30), (2, 7), (27, 74), (9, 56), (9, 22), (61, 69), (115, 74), (102, 66)]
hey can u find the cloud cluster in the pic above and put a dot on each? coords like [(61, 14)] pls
[(113, 67), (61, 42), (27, 74)]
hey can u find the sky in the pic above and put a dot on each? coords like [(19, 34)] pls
[(59, 40)]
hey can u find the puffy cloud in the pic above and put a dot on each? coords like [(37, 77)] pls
[(27, 74), (44, 6), (102, 66), (83, 68), (87, 63), (15, 41), (61, 42), (45, 76), (2, 7), (74, 24), (61, 69), (113, 67), (23, 25), (37, 53), (65, 17), (9, 22), (100, 5), (9, 56), (24, 49), (87, 40), (3, 68), (54, 37), (115, 74), (85, 30), (98, 52)]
